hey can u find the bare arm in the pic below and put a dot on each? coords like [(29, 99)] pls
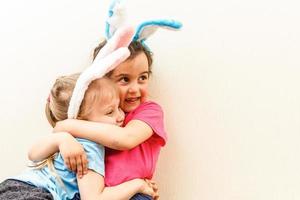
[(108, 135), (46, 146), (71, 150), (91, 187), (115, 137)]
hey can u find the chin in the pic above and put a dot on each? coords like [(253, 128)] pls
[(129, 108)]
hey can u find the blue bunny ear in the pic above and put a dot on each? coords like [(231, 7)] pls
[(145, 29), (116, 17)]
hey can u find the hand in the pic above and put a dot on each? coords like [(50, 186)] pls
[(150, 188), (74, 155), (154, 186)]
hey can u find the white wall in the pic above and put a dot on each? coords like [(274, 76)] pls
[(228, 82)]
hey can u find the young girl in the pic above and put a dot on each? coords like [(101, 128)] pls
[(53, 180), (137, 144)]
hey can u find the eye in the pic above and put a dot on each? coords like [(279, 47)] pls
[(124, 79), (110, 112), (143, 77)]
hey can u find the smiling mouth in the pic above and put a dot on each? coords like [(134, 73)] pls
[(132, 100)]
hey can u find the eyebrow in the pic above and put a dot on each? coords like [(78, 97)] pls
[(145, 72), (120, 75)]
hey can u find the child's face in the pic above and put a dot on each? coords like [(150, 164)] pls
[(107, 112), (132, 79)]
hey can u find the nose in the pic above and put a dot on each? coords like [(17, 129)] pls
[(133, 87), (121, 116)]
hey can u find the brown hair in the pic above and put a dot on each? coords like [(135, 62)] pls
[(135, 48)]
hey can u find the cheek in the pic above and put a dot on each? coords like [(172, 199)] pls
[(122, 91), (144, 89), (144, 93), (111, 121)]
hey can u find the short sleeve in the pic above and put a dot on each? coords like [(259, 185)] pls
[(152, 114), (95, 155)]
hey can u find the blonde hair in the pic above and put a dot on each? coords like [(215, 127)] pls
[(57, 107), (59, 98), (99, 91)]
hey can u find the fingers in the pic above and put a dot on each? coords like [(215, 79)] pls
[(84, 163), (81, 163), (67, 164), (152, 184), (79, 167), (154, 187), (73, 164), (154, 194)]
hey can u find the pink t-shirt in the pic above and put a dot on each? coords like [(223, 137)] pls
[(140, 161)]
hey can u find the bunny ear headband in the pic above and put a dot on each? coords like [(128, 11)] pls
[(117, 18), (115, 51), (111, 55)]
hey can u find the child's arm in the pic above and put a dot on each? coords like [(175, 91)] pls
[(91, 187), (46, 146), (72, 151), (120, 138)]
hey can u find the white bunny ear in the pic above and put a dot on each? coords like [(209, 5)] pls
[(96, 71), (112, 54), (122, 38), (145, 29), (116, 17)]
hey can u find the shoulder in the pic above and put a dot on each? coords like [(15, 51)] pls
[(149, 111), (149, 105), (152, 114)]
